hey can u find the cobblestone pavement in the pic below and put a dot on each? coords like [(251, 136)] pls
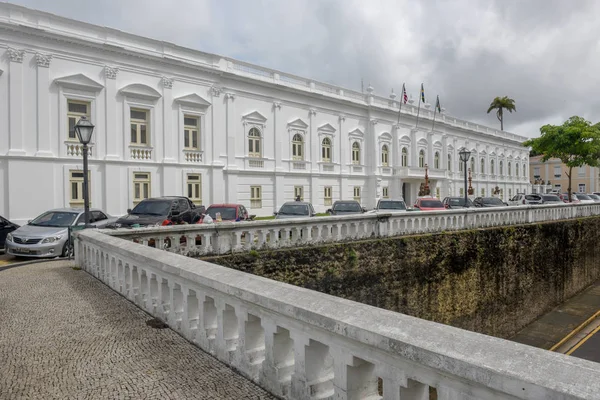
[(65, 335)]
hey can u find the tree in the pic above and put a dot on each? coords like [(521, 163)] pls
[(576, 143), (500, 104)]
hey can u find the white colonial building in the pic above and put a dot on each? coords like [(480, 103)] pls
[(175, 121)]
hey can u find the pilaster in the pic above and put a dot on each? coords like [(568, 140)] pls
[(169, 138), (314, 158), (110, 122), (43, 104), (230, 126), (277, 138), (15, 102), (344, 158)]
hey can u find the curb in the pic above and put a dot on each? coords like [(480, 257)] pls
[(575, 331), (23, 263)]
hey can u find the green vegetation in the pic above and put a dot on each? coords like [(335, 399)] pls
[(253, 253), (273, 217), (576, 143), (500, 104)]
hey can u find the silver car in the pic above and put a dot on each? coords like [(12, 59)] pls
[(48, 234), (295, 209)]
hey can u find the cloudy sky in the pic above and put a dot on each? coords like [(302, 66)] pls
[(545, 54)]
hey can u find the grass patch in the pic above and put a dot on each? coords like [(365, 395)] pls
[(264, 218), (76, 268)]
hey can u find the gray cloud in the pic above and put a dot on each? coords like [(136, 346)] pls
[(542, 53)]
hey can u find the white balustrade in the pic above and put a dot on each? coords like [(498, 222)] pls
[(301, 344), (227, 237), (192, 156), (299, 165), (141, 153), (256, 163), (75, 149)]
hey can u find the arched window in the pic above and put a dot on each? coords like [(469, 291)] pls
[(298, 147), (501, 167), (385, 156), (482, 166), (516, 169), (473, 165), (492, 167), (422, 159), (404, 157), (450, 162), (524, 170), (254, 143), (355, 153), (509, 169), (436, 160), (326, 150)]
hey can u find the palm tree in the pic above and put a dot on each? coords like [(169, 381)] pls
[(501, 104)]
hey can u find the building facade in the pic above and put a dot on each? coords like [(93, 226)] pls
[(552, 175), (174, 121)]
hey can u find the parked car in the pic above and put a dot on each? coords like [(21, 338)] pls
[(565, 198), (551, 199), (521, 199), (429, 204), (346, 207), (389, 206), (489, 202), (6, 227), (48, 234), (159, 211), (227, 212), (295, 209), (583, 198), (594, 197), (457, 202)]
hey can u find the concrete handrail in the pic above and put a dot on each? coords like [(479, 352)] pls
[(301, 344)]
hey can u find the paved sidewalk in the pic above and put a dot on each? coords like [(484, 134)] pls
[(65, 335)]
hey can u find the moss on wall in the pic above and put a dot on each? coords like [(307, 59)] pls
[(493, 281)]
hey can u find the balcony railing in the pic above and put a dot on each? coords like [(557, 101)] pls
[(75, 149), (299, 165), (192, 156), (256, 163), (140, 153)]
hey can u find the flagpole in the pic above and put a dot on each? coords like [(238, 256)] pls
[(433, 124), (435, 110), (401, 101), (419, 108)]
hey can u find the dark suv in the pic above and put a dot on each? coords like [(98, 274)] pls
[(346, 207), (159, 211), (457, 202)]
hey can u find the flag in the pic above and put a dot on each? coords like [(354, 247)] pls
[(404, 95), (438, 106), (422, 94)]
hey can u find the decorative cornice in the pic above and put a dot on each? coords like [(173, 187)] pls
[(341, 117), (43, 60), (230, 96), (374, 122), (312, 111), (167, 82), (277, 104), (15, 55), (111, 72), (215, 91)]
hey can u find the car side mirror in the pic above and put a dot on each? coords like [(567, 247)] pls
[(446, 206), (275, 213), (505, 204), (364, 209), (129, 211), (329, 211)]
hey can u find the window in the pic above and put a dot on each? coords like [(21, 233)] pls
[(536, 172), (76, 183), (357, 193), (510, 193), (404, 157), (299, 192), (327, 196), (355, 153), (462, 192), (385, 156), (437, 192), (326, 150), (76, 110), (194, 188), (141, 186), (421, 158), (501, 167), (582, 188), (557, 172), (255, 197), (254, 144), (516, 169), (191, 134), (524, 169), (492, 167), (385, 192), (509, 169), (297, 147), (473, 164), (482, 192), (482, 166), (581, 171), (461, 166), (449, 162), (436, 160), (139, 127)]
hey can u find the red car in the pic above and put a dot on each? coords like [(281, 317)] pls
[(565, 198), (228, 212), (429, 204)]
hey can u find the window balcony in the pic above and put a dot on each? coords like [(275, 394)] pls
[(255, 163), (385, 170), (327, 166), (75, 149), (140, 153), (357, 169), (192, 156), (298, 165)]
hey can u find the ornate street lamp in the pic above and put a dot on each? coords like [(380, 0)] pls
[(426, 181), (84, 130), (464, 157)]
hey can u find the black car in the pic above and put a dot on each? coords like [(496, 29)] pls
[(6, 227), (346, 207), (457, 202), (489, 202), (159, 211), (551, 199)]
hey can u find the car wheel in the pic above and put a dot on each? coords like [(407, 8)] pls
[(67, 250)]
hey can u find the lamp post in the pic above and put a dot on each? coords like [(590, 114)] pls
[(426, 181), (464, 157), (84, 130)]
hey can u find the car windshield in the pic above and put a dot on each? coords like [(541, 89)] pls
[(431, 204), (294, 209), (459, 202), (152, 208), (392, 205), (227, 213), (581, 196), (551, 198), (60, 219), (533, 197), (351, 206), (493, 201), (593, 196)]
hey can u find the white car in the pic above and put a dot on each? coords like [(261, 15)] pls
[(522, 199), (583, 198), (389, 206)]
